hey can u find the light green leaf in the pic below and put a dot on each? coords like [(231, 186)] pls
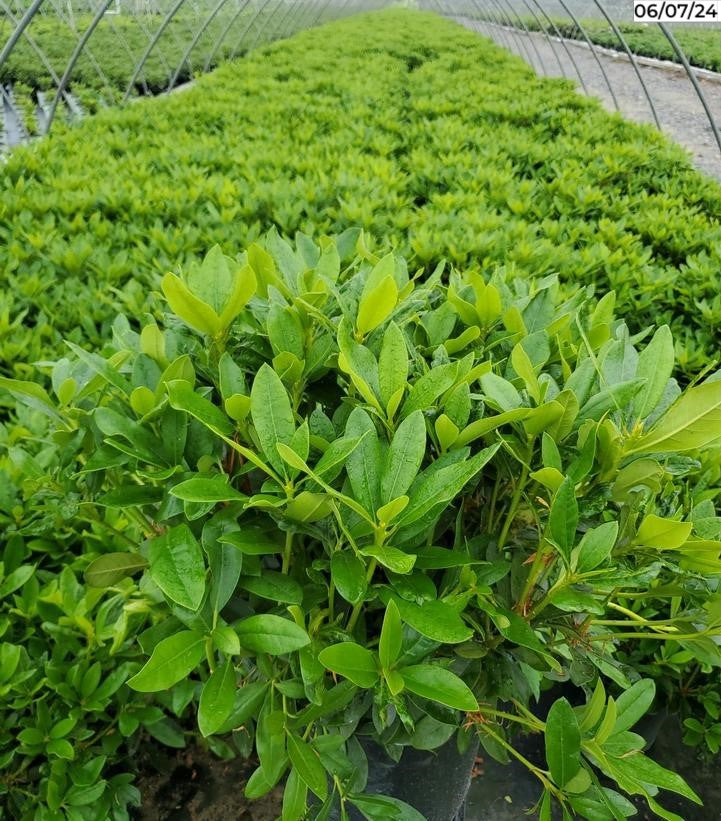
[(177, 567), (271, 634), (692, 422), (272, 415), (352, 661), (349, 575), (207, 489), (109, 569), (655, 365), (172, 660), (376, 304), (563, 742), (633, 704), (404, 457), (435, 620), (563, 519), (306, 762), (217, 699), (391, 638), (438, 684), (392, 364), (190, 308), (663, 534)]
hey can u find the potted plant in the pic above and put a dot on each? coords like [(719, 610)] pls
[(385, 511)]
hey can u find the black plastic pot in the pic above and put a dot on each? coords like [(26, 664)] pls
[(435, 783)]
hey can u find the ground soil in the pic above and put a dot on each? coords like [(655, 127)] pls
[(194, 785), (677, 105)]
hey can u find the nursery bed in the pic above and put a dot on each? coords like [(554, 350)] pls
[(679, 110)]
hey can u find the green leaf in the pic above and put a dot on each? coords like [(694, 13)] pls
[(655, 365), (489, 423), (404, 457), (172, 660), (306, 762), (663, 534), (309, 507), (190, 308), (217, 699), (435, 620), (182, 397), (110, 568), (375, 807), (692, 422), (500, 391), (271, 634), (391, 638), (274, 586), (438, 684), (633, 704), (352, 661), (563, 519), (642, 769), (295, 797), (364, 463), (392, 363), (272, 415), (434, 490), (207, 489), (563, 742), (376, 304), (177, 566), (390, 557), (596, 546), (349, 575)]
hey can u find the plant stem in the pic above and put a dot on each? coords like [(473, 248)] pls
[(512, 750), (357, 609), (287, 552), (513, 508)]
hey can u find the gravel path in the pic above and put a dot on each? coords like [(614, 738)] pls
[(679, 109)]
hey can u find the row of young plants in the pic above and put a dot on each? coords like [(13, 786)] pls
[(701, 44), (330, 500), (106, 66), (434, 140), (219, 164)]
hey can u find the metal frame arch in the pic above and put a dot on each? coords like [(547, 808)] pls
[(87, 34), (513, 30), (19, 29), (563, 44), (694, 82), (527, 38), (632, 58), (194, 41), (590, 45), (239, 44), (151, 45), (219, 42)]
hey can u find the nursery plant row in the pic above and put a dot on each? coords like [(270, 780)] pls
[(701, 45), (106, 68), (434, 142), (388, 481)]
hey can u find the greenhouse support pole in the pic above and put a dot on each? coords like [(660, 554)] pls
[(151, 45), (563, 43), (20, 28), (247, 29), (694, 82), (514, 33), (589, 43), (527, 38), (631, 57), (198, 34), (224, 34), (87, 34), (544, 32)]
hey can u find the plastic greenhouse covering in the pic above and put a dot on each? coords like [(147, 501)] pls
[(63, 58)]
